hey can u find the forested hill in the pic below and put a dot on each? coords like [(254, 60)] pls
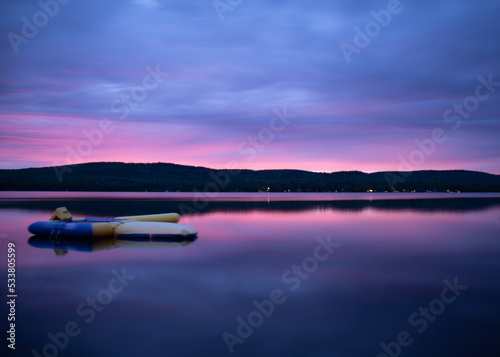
[(114, 176)]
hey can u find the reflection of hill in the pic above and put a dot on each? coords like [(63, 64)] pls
[(159, 177), (113, 208)]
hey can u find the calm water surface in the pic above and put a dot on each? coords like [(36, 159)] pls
[(269, 275)]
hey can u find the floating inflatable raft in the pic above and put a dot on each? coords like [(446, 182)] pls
[(138, 228)]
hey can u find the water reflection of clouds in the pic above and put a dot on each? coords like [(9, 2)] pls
[(230, 231), (390, 262)]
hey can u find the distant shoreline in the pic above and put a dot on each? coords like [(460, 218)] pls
[(165, 177), (239, 196)]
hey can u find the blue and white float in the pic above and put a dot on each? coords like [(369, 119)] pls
[(137, 228)]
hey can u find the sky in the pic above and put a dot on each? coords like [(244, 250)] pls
[(325, 85)]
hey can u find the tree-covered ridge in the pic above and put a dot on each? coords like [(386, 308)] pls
[(116, 176)]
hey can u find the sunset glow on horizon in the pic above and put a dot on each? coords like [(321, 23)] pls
[(324, 86)]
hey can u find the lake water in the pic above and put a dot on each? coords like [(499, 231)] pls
[(269, 275)]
